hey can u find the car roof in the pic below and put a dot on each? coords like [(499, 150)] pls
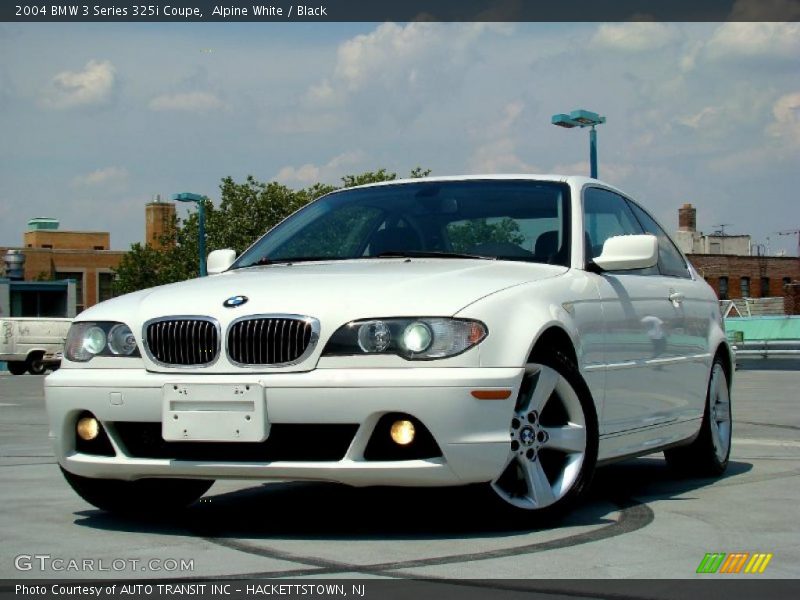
[(575, 180)]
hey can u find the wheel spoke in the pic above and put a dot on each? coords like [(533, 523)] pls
[(545, 384), (570, 438), (723, 412), (715, 436), (540, 492)]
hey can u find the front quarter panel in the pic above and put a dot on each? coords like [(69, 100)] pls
[(517, 317)]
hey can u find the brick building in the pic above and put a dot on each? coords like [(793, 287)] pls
[(727, 264), (83, 256)]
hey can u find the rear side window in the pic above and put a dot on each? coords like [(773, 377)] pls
[(670, 261)]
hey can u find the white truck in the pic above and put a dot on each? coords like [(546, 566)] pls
[(32, 344)]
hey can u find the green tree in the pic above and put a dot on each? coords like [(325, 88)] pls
[(245, 212), (469, 234)]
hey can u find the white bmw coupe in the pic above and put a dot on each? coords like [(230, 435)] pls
[(514, 331)]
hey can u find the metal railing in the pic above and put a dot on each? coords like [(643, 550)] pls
[(767, 349)]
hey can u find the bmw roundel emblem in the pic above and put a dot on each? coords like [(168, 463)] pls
[(235, 301)]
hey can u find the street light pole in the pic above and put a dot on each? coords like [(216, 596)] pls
[(583, 118), (201, 217)]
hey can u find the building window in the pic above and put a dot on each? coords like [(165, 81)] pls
[(764, 287), (723, 288), (80, 302), (105, 286), (715, 248), (99, 248), (745, 287), (787, 281)]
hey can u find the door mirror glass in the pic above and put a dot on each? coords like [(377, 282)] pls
[(628, 252)]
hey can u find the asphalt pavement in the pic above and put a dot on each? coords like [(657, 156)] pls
[(639, 521)]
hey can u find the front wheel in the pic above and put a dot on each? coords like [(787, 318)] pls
[(554, 438), (708, 454), (143, 496)]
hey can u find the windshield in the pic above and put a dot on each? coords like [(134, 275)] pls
[(496, 219)]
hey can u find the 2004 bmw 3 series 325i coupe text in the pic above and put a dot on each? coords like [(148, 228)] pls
[(512, 331)]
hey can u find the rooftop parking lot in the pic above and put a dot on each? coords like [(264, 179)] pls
[(640, 521)]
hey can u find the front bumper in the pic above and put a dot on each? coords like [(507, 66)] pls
[(472, 434)]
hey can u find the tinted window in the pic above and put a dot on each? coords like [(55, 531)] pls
[(745, 287), (670, 261), (764, 287), (507, 220), (723, 288), (606, 214)]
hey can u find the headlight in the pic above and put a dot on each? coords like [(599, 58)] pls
[(86, 340), (420, 338)]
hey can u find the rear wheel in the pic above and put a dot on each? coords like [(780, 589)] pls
[(142, 496), (36, 364), (17, 367), (553, 449), (708, 454)]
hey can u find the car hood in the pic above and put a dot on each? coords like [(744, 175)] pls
[(333, 292)]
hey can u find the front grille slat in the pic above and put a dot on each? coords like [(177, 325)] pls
[(268, 340), (188, 341)]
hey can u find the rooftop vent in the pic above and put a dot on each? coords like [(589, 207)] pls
[(15, 265), (39, 223)]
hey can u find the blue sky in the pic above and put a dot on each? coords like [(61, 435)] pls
[(97, 118)]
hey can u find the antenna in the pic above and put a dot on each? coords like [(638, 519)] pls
[(792, 232), (721, 230)]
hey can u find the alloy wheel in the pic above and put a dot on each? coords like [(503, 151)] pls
[(548, 441)]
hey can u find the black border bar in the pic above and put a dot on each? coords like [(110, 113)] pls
[(397, 10), (710, 588)]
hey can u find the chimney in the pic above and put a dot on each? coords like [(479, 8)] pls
[(159, 217), (687, 218)]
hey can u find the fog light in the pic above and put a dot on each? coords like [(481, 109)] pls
[(88, 428), (402, 432)]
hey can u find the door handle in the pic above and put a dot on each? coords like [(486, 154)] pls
[(677, 298)]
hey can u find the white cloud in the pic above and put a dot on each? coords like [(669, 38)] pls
[(786, 118), (755, 40), (635, 36), (186, 101), (700, 118), (110, 177), (309, 173), (91, 86), (402, 62), (497, 151)]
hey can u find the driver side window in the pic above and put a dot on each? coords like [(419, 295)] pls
[(605, 214)]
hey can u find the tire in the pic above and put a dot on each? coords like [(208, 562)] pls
[(149, 497), (554, 439), (36, 365), (708, 454), (17, 367)]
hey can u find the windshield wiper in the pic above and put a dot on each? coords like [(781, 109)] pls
[(292, 259), (429, 254)]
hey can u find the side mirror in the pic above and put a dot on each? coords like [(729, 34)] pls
[(628, 252), (219, 261)]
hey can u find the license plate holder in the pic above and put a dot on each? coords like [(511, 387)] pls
[(210, 412)]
